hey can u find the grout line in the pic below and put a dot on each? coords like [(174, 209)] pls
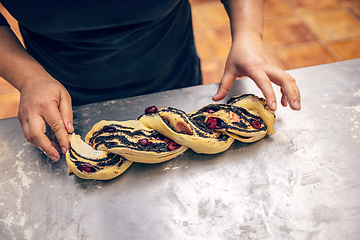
[(322, 42), (329, 49), (289, 5), (347, 10)]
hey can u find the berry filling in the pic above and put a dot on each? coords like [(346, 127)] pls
[(212, 123), (235, 117), (187, 133), (150, 110), (159, 137), (144, 142), (183, 128), (256, 124), (86, 168), (173, 146), (109, 129), (166, 119), (209, 110)]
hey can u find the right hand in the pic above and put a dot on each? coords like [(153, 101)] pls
[(44, 100), (248, 57)]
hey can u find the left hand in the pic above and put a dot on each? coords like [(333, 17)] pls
[(249, 57)]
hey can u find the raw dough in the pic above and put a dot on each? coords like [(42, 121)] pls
[(163, 134)]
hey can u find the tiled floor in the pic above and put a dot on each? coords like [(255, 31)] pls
[(298, 33)]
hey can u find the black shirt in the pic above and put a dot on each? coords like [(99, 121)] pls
[(102, 50)]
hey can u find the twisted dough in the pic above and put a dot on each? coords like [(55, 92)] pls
[(162, 134)]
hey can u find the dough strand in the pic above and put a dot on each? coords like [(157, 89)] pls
[(162, 134)]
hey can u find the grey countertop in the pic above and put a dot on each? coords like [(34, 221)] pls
[(301, 183)]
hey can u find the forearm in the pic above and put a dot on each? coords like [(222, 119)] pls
[(246, 17), (16, 65)]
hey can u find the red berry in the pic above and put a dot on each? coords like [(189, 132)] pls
[(109, 129), (173, 146), (185, 132), (256, 124), (159, 137), (209, 110), (86, 168), (150, 110), (212, 123), (166, 120), (144, 142)]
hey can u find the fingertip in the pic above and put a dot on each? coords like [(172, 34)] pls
[(69, 127), (272, 106), (54, 156), (217, 97), (64, 150), (296, 105), (220, 94), (65, 146)]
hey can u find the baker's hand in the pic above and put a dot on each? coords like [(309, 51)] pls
[(43, 100), (249, 57)]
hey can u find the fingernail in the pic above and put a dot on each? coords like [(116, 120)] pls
[(70, 127), (273, 105), (297, 104), (63, 149), (53, 158)]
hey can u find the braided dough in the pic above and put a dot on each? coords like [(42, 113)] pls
[(162, 134)]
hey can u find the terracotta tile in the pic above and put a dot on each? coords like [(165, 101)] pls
[(304, 56), (4, 85), (201, 48), (220, 40), (286, 31), (306, 5), (209, 14), (355, 9), (347, 49), (275, 8), (195, 24), (9, 103), (221, 61), (12, 22), (332, 24), (348, 3), (210, 71)]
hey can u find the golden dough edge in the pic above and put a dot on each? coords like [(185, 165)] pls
[(197, 144), (258, 106), (104, 174), (152, 159), (135, 155)]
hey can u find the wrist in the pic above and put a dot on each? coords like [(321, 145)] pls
[(246, 17)]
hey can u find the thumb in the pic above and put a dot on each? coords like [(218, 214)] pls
[(226, 83), (65, 109)]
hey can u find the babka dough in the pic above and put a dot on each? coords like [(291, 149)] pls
[(163, 134)]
